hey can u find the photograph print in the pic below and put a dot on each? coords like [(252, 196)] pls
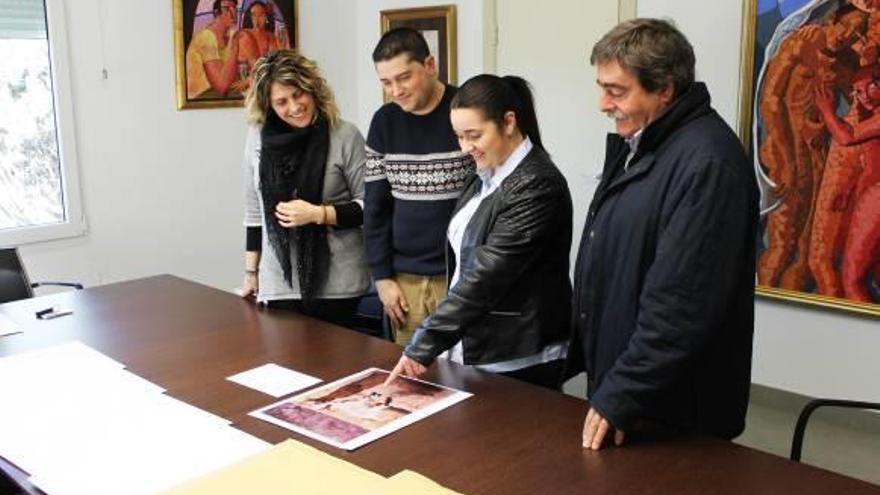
[(356, 410)]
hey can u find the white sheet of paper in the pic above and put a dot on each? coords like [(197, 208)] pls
[(274, 380), (149, 460), (69, 354), (80, 416), (8, 327)]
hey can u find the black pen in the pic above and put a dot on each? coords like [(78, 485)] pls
[(43, 312), (53, 312)]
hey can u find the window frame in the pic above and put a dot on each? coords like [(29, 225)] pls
[(74, 224)]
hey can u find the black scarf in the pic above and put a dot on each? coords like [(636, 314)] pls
[(292, 165)]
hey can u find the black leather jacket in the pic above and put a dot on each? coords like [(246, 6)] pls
[(513, 295)]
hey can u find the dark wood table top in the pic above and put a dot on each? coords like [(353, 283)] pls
[(509, 438)]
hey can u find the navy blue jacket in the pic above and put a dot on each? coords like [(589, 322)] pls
[(664, 282)]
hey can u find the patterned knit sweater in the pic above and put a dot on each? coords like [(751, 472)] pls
[(415, 172)]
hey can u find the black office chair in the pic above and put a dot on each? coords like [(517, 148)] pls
[(14, 282), (368, 318), (797, 440)]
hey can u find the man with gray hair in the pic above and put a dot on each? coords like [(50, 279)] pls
[(664, 281)]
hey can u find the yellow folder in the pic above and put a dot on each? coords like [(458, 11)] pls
[(290, 467), (410, 482)]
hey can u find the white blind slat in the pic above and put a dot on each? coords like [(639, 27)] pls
[(22, 19)]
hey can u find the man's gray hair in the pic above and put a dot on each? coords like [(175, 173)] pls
[(653, 49)]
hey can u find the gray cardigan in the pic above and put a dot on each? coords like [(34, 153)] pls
[(343, 182)]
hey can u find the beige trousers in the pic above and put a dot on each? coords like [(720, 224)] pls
[(423, 293)]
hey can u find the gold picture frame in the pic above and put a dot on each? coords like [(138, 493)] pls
[(192, 18), (438, 25), (763, 34)]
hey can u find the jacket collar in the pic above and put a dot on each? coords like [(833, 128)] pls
[(492, 178), (536, 156), (694, 103)]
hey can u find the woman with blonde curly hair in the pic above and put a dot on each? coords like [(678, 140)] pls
[(304, 191)]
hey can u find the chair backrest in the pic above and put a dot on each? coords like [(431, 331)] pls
[(14, 283), (800, 428)]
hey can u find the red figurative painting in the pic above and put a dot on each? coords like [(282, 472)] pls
[(217, 43), (816, 144)]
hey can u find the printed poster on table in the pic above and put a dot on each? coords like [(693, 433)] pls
[(355, 410)]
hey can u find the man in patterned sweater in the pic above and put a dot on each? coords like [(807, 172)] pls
[(415, 172)]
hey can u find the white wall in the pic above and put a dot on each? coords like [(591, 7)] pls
[(161, 187), (715, 35), (470, 46), (551, 51), (330, 37), (802, 349)]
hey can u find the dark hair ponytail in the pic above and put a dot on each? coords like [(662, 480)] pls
[(495, 96)]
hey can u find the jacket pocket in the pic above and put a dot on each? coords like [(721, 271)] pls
[(511, 314)]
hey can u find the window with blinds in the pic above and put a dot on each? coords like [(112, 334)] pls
[(34, 188)]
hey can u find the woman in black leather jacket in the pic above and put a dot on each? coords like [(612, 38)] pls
[(508, 305)]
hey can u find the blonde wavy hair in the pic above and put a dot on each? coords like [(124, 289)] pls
[(290, 68)]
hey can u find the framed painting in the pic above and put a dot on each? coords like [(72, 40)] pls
[(437, 25), (216, 43), (810, 118)]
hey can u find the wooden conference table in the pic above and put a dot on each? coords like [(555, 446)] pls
[(509, 438)]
